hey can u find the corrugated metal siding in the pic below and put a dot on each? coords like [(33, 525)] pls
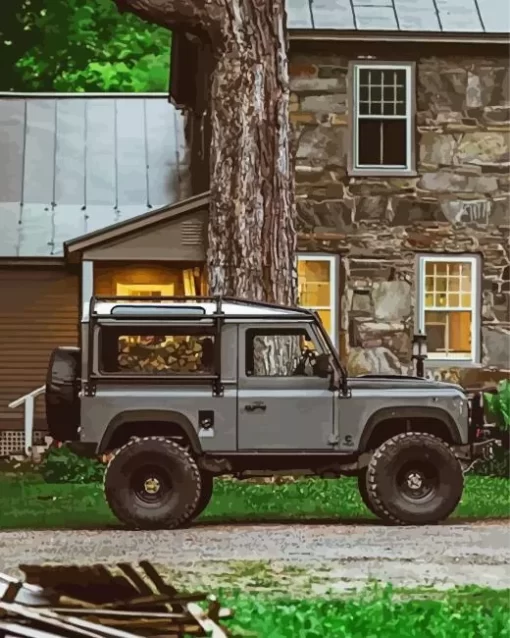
[(449, 16), (74, 165), (39, 311)]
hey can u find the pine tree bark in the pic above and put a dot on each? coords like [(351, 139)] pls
[(252, 233)]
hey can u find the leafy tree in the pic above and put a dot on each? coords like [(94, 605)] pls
[(80, 45)]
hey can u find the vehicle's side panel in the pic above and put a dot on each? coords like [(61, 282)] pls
[(367, 409), (136, 402), (296, 413)]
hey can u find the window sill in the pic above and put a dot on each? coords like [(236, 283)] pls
[(359, 172)]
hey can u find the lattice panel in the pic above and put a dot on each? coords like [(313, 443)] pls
[(13, 441)]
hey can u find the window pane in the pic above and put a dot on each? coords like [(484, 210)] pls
[(314, 283), (314, 269), (453, 300), (395, 142), (429, 283), (389, 93), (454, 284), (466, 284), (158, 353), (466, 301), (375, 94), (459, 333), (363, 76), (440, 300), (435, 329), (278, 354), (369, 143), (325, 316), (429, 300)]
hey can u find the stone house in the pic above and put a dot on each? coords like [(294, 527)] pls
[(401, 113)]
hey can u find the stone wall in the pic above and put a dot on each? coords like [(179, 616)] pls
[(380, 224)]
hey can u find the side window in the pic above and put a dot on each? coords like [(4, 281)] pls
[(155, 351), (280, 353)]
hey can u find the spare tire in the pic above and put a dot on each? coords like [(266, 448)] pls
[(62, 389)]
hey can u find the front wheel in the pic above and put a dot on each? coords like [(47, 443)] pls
[(414, 478), (152, 483)]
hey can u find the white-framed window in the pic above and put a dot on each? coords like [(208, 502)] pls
[(382, 105), (318, 288), (448, 306)]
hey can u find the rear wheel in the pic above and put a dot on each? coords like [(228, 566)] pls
[(414, 478), (152, 483), (205, 493)]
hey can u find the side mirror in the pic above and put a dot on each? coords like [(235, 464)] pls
[(322, 366)]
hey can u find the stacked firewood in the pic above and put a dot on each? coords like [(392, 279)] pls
[(103, 602), (176, 354)]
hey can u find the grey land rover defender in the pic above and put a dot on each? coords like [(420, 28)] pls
[(179, 390)]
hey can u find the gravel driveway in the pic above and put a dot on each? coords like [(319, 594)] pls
[(314, 557)]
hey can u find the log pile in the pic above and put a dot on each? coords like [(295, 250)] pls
[(173, 355), (96, 601)]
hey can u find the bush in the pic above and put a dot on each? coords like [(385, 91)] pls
[(60, 465), (498, 405)]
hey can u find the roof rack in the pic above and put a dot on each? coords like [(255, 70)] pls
[(219, 300)]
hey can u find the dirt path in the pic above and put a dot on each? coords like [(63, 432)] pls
[(308, 558)]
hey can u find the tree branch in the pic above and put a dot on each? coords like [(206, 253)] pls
[(196, 15)]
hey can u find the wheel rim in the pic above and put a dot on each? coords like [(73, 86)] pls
[(418, 481), (151, 486)]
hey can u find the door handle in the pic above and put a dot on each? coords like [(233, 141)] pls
[(258, 405)]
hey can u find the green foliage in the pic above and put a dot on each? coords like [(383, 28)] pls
[(375, 613), (60, 465), (498, 405), (30, 504), (80, 45)]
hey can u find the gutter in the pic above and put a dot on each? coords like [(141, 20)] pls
[(337, 35)]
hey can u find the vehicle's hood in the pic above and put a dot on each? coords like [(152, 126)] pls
[(396, 381)]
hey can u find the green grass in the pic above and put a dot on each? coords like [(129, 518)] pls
[(30, 503), (465, 613)]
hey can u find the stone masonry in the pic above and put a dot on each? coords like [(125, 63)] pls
[(379, 225)]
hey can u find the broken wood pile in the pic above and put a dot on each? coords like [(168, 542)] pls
[(97, 601)]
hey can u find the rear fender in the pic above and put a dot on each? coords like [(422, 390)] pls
[(154, 416)]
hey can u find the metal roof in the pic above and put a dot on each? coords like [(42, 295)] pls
[(72, 164), (435, 16)]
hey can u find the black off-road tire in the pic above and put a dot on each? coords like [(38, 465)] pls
[(62, 388), (137, 462), (363, 491), (392, 474), (205, 493)]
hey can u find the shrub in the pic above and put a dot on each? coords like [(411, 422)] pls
[(498, 405), (60, 465)]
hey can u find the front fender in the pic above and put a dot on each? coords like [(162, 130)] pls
[(409, 412), (146, 416)]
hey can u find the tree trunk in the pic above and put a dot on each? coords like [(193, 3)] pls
[(252, 235)]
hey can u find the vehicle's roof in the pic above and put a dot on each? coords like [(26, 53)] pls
[(244, 309)]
